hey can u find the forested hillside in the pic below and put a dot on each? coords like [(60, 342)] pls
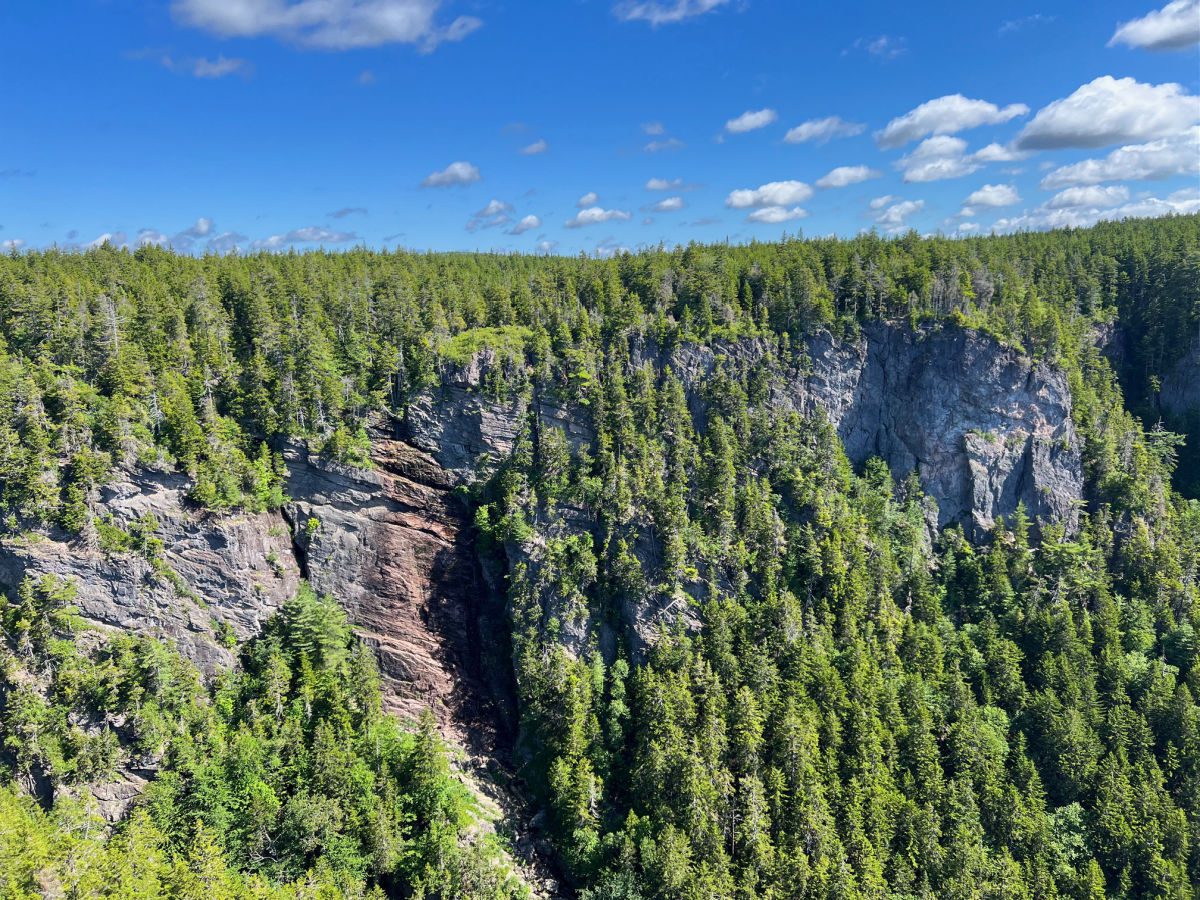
[(743, 666)]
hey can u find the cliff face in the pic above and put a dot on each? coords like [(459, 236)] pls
[(984, 428), (218, 577), (1180, 394), (393, 546)]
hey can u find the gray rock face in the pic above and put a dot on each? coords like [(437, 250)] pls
[(984, 428), (231, 571), (467, 432), (1180, 394)]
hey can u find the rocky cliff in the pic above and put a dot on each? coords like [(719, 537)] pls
[(984, 428), (1180, 394)]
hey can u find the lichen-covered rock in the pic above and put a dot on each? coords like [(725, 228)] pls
[(216, 573)]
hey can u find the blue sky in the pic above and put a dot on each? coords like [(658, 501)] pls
[(210, 124)]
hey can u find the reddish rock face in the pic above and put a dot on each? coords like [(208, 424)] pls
[(393, 546)]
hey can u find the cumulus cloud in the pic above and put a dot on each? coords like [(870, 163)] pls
[(545, 246), (1093, 196), (774, 215), (936, 159), (225, 242), (844, 176), (457, 173), (664, 12), (115, 238), (348, 211), (527, 223), (993, 195), (946, 115), (1109, 111), (495, 214), (881, 202), (669, 204), (823, 130), (664, 184), (1174, 27), (775, 193), (654, 129), (998, 153), (894, 218), (327, 24), (751, 120), (310, 234), (591, 198), (1155, 160), (1184, 202), (594, 215), (11, 245), (538, 146)]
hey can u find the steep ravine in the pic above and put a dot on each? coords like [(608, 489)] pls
[(984, 429)]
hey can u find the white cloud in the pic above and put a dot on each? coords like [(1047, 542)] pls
[(881, 202), (670, 204), (538, 146), (968, 227), (116, 238), (823, 130), (151, 237), (528, 223), (654, 129), (1109, 111), (1174, 27), (591, 198), (751, 120), (936, 159), (666, 144), (217, 68), (594, 215), (454, 174), (1183, 202), (664, 184), (495, 214), (202, 228), (348, 211), (326, 24), (225, 242), (1156, 160), (885, 47), (774, 215), (946, 115), (993, 195), (775, 193), (895, 217), (1014, 25), (546, 246), (998, 153), (664, 12), (311, 234), (1093, 196), (844, 176), (12, 244)]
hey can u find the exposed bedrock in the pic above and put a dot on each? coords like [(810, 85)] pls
[(984, 427), (1180, 393), (219, 577)]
